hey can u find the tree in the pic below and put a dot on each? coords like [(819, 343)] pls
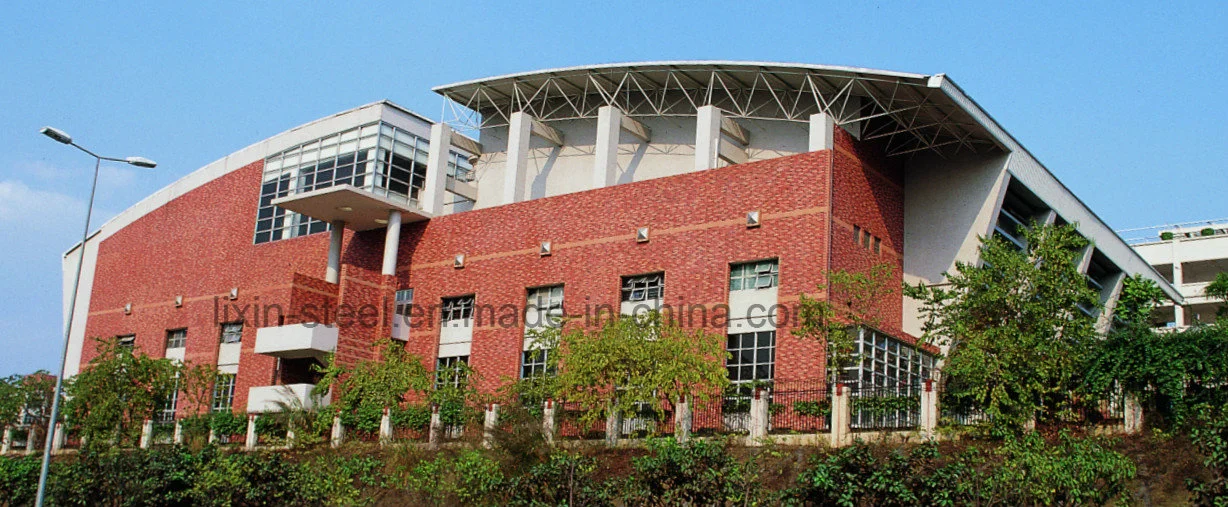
[(1139, 297), (834, 320), (1218, 289), (635, 361), (1014, 326), (370, 386), (24, 397), (117, 391)]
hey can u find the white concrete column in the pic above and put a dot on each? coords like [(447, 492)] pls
[(489, 423), (707, 137), (146, 433), (212, 436), (822, 132), (1105, 320), (519, 134), (1178, 280), (434, 195), (290, 437), (32, 439), (338, 435), (385, 427), (613, 426), (1133, 412), (435, 431), (605, 161), (6, 442), (177, 438), (929, 410), (840, 416), (250, 442), (57, 438), (759, 418), (333, 272), (392, 241), (548, 421), (682, 421)]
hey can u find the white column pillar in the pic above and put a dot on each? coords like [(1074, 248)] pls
[(6, 442), (605, 161), (548, 421), (385, 427), (333, 272), (840, 415), (32, 440), (1178, 279), (707, 137), (177, 438), (433, 196), (519, 133), (392, 241), (57, 438), (250, 442), (338, 435), (435, 431), (929, 410), (613, 426), (146, 433), (822, 132), (489, 423), (1133, 412), (682, 421), (759, 411)]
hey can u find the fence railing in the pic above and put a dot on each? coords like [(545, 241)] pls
[(885, 408)]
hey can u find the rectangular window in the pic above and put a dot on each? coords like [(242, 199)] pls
[(754, 275), (457, 308), (176, 338), (223, 392), (878, 245), (643, 287), (127, 341), (450, 371), (544, 307), (883, 361), (533, 364), (232, 332), (752, 357), (166, 414), (405, 302)]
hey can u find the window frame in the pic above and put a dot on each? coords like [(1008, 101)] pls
[(455, 308), (752, 272), (226, 329), (177, 336), (647, 283)]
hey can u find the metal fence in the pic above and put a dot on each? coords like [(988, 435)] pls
[(884, 408), (799, 406)]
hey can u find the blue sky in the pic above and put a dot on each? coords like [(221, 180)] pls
[(1121, 101)]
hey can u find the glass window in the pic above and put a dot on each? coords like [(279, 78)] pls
[(752, 356), (176, 338), (544, 307), (533, 364), (223, 392), (166, 413), (232, 332), (884, 361), (127, 341), (450, 371), (643, 287), (405, 302), (754, 275), (457, 308)]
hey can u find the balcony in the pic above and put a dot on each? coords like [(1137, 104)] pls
[(263, 399), (297, 341)]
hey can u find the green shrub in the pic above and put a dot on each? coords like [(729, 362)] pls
[(18, 479), (702, 472), (1166, 236), (414, 417), (564, 479), (226, 423), (813, 408), (1210, 436), (469, 478), (1207, 232)]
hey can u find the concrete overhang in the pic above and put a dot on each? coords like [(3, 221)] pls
[(361, 210)]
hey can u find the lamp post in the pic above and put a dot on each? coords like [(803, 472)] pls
[(62, 137)]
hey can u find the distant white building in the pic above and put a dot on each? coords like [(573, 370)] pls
[(1188, 255)]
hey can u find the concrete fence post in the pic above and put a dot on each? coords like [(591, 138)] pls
[(759, 417), (435, 432), (250, 442), (6, 443), (338, 435), (1133, 413), (489, 424), (290, 437), (385, 427), (613, 426), (57, 439), (548, 421), (682, 420), (212, 436), (32, 439), (841, 417), (177, 437), (929, 410), (146, 433)]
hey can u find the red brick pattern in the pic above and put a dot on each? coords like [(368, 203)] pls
[(200, 246)]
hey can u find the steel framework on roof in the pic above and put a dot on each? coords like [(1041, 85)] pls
[(910, 115)]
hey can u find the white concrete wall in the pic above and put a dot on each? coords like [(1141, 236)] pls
[(456, 338), (554, 170), (752, 310), (948, 205)]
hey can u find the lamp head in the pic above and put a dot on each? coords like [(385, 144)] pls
[(141, 162), (57, 134)]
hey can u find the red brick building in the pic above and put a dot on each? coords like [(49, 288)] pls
[(666, 189)]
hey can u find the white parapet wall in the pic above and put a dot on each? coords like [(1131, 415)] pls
[(296, 340), (261, 399)]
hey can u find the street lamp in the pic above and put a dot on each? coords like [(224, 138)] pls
[(63, 137)]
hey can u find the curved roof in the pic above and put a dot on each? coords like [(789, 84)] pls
[(908, 110)]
